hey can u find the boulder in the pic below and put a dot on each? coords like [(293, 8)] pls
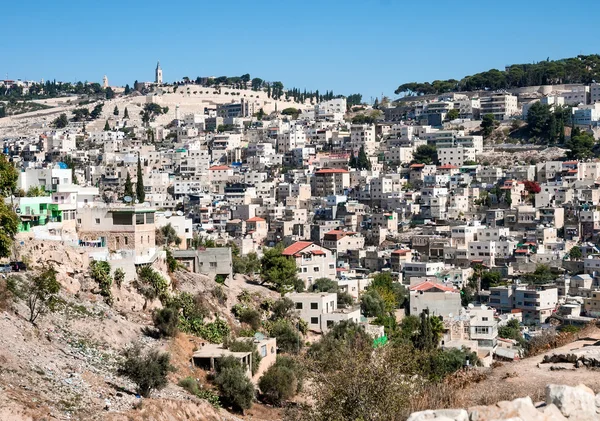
[(577, 402), (440, 415)]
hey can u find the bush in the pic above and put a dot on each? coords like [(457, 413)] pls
[(8, 291), (100, 272), (288, 337), (569, 329), (219, 293), (251, 317), (119, 277), (166, 320), (283, 309), (235, 388), (441, 363), (148, 372), (281, 381), (192, 386)]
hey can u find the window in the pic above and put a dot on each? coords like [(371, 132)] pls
[(481, 330), (298, 306), (139, 219), (79, 221), (304, 270), (314, 320), (263, 351), (212, 264), (329, 323), (485, 319), (150, 218), (314, 306), (316, 268), (126, 240), (97, 221)]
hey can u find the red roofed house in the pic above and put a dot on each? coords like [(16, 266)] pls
[(330, 181), (342, 241), (313, 261), (438, 299), (220, 173), (257, 228), (398, 257)]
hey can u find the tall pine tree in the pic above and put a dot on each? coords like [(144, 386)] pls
[(363, 162), (139, 186), (126, 114), (128, 186), (352, 161)]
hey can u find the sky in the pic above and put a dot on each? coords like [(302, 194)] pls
[(348, 46)]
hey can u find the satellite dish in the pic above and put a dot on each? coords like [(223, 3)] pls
[(450, 315), (168, 214), (137, 201), (483, 307), (179, 213), (471, 305), (128, 199)]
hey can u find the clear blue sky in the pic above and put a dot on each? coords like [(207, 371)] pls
[(366, 46)]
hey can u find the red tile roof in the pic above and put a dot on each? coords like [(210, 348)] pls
[(256, 219), (401, 251), (427, 285), (447, 167), (331, 171), (295, 248), (417, 165), (219, 168)]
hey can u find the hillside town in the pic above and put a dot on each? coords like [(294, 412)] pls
[(354, 215)]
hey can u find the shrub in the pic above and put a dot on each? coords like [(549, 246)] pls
[(148, 372), (281, 381), (8, 291), (234, 386), (166, 320), (192, 386), (219, 293), (283, 309), (152, 285), (119, 277), (100, 272), (40, 293), (570, 329), (251, 317), (288, 338)]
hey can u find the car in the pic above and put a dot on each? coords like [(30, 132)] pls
[(5, 268), (18, 266)]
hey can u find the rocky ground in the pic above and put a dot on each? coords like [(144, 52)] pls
[(561, 403), (65, 368)]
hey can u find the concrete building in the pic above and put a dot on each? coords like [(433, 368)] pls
[(437, 299), (313, 261), (536, 303), (502, 106), (320, 310), (216, 261), (329, 181)]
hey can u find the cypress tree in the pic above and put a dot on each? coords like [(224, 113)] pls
[(363, 162), (128, 186), (139, 186), (106, 126), (126, 114), (352, 161)]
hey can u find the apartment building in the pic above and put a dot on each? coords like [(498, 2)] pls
[(320, 310), (313, 261), (536, 303), (502, 106), (330, 181)]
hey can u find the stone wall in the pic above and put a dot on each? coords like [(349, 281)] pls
[(562, 403)]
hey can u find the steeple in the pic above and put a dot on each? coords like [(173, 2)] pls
[(158, 79)]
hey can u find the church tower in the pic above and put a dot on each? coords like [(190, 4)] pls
[(105, 82), (158, 74)]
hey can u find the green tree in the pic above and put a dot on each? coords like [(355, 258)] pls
[(97, 111), (126, 113), (167, 235), (128, 186), (110, 94), (362, 162), (425, 154), (288, 337), (372, 304), (279, 270), (487, 124), (324, 285), (40, 293), (235, 388), (575, 253), (352, 163), (106, 126), (429, 332), (140, 194), (541, 275), (511, 330), (116, 111), (580, 146), (148, 371), (127, 90), (61, 121), (8, 177), (100, 272), (453, 114), (282, 381)]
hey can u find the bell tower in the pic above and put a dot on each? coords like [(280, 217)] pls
[(158, 79)]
